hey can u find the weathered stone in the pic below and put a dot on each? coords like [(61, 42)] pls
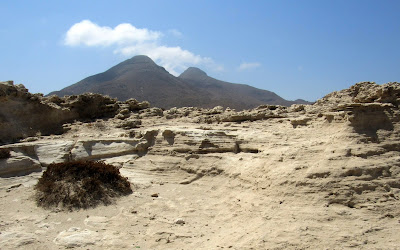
[(18, 164), (129, 124), (53, 152), (12, 239), (23, 114), (91, 106), (135, 105), (151, 112), (98, 149), (300, 121), (75, 237), (180, 221)]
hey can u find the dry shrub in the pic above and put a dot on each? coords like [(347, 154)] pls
[(80, 184), (5, 153)]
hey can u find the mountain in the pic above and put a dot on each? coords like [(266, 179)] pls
[(239, 96), (139, 78), (142, 79)]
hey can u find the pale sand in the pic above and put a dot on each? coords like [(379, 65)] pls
[(315, 186)]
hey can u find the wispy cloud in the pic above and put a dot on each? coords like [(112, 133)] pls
[(248, 65), (127, 40), (175, 33)]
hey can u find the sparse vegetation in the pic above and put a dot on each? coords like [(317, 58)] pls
[(4, 153), (80, 184)]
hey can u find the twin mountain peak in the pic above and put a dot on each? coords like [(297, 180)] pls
[(141, 78)]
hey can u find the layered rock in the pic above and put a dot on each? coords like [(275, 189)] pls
[(371, 109), (23, 114), (362, 92), (85, 106)]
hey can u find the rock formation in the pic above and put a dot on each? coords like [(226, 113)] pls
[(23, 114), (325, 175)]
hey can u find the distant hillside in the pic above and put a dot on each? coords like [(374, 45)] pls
[(239, 96), (142, 79)]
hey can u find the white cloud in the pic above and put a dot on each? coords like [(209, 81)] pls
[(129, 41), (90, 34), (246, 65)]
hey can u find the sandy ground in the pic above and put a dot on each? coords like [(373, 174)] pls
[(298, 191)]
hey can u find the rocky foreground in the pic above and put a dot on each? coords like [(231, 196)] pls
[(321, 176)]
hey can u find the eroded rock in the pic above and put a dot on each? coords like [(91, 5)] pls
[(18, 164), (22, 114), (76, 237)]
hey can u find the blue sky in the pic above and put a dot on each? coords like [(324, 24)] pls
[(298, 49)]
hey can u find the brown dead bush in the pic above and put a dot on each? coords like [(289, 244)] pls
[(80, 184), (4, 153)]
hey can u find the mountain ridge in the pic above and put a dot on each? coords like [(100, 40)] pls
[(141, 78), (226, 91)]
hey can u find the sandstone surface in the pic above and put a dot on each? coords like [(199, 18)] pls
[(321, 176)]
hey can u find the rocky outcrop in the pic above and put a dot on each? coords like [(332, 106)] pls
[(367, 106), (218, 114), (23, 114), (85, 106), (366, 114), (135, 105), (31, 156), (362, 92)]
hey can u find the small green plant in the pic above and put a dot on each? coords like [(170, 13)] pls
[(5, 153), (80, 184)]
